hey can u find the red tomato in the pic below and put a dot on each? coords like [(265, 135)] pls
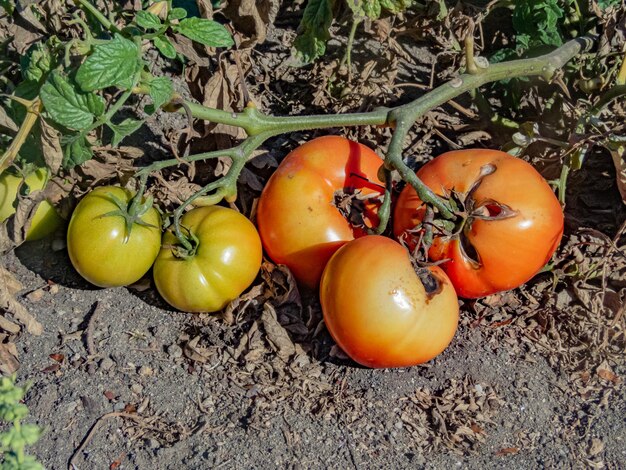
[(508, 229), (379, 311), (298, 222)]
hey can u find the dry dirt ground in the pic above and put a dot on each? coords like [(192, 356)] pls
[(533, 379)]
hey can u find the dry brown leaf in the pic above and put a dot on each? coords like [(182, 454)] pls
[(196, 353), (13, 307), (8, 359), (605, 372), (51, 146), (9, 326), (185, 46), (596, 447), (6, 123), (618, 153), (252, 18), (277, 335), (27, 31)]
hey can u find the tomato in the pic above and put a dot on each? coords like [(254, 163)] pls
[(508, 227), (226, 259), (97, 244), (379, 311), (299, 224), (46, 219)]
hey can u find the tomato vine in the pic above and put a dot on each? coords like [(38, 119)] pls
[(71, 101)]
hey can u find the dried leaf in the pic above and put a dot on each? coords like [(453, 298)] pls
[(13, 307), (618, 153), (51, 146), (8, 359), (276, 334), (196, 353), (604, 372), (252, 18), (596, 447)]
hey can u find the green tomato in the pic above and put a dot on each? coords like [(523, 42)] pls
[(105, 248), (224, 263), (46, 219)]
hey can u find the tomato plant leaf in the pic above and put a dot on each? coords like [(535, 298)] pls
[(207, 32), (165, 47), (177, 14), (537, 23), (8, 6), (77, 150), (161, 90), (604, 4), (395, 6), (39, 60), (148, 20), (123, 129), (112, 63), (316, 20), (68, 106)]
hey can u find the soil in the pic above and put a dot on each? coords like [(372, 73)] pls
[(533, 379)]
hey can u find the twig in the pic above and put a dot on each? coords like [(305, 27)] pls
[(94, 428)]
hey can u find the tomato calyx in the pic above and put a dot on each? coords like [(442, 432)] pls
[(180, 251), (467, 210), (352, 204), (132, 212)]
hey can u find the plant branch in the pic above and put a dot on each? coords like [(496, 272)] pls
[(33, 109), (97, 15), (257, 124)]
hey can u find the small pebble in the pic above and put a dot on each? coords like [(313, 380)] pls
[(119, 406), (107, 364), (174, 351), (136, 388)]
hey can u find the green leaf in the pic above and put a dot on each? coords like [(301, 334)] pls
[(207, 32), (161, 90), (537, 23), (113, 63), (147, 20), (316, 20), (372, 9), (395, 6), (165, 47), (40, 60), (604, 4), (8, 6), (123, 129), (177, 14), (77, 150), (68, 106)]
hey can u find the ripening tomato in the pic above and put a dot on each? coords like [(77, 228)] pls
[(108, 248), (299, 222), (226, 258), (380, 311), (509, 225), (46, 219)]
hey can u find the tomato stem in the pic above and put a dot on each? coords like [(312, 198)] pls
[(260, 126)]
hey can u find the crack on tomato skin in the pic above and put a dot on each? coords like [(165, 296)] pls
[(469, 252)]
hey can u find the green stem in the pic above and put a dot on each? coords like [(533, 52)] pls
[(347, 58), (226, 185), (99, 16), (402, 117)]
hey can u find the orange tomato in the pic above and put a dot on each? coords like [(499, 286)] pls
[(298, 222), (379, 311), (510, 225)]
